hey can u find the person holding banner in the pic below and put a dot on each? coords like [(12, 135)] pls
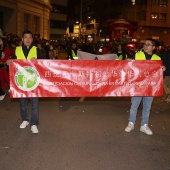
[(146, 54), (28, 52)]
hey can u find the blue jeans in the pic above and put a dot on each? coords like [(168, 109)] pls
[(34, 110), (147, 102)]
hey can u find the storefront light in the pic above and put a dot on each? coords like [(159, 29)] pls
[(133, 2)]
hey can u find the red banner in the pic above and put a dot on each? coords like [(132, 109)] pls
[(85, 78)]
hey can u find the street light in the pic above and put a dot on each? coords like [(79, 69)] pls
[(133, 2)]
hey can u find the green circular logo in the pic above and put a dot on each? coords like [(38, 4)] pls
[(27, 78)]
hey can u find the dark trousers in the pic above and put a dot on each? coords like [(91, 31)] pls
[(1, 92), (34, 110), (4, 78)]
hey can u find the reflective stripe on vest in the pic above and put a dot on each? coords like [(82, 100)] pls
[(20, 55), (141, 56), (74, 55)]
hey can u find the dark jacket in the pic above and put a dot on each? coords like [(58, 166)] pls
[(2, 92), (70, 56), (166, 63)]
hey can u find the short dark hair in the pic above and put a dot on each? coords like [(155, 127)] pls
[(27, 32), (152, 40), (73, 42)]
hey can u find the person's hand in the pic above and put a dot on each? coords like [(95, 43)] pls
[(163, 68), (129, 59), (33, 59), (8, 62)]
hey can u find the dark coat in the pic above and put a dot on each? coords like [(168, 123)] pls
[(166, 63)]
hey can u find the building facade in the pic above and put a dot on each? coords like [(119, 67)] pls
[(19, 15), (58, 19), (149, 18)]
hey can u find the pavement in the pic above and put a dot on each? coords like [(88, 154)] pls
[(84, 135)]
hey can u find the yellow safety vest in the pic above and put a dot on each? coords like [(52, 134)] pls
[(74, 55), (20, 55), (120, 57), (141, 56)]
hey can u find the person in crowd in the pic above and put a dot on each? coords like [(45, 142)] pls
[(166, 63), (146, 54), (121, 54), (72, 52), (62, 54), (12, 46), (88, 47), (5, 54), (19, 42), (105, 49), (39, 46), (47, 49), (58, 49), (2, 94), (51, 52), (29, 52)]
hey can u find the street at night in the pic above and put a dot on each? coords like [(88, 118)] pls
[(59, 62), (84, 135)]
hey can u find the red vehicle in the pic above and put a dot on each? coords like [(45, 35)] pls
[(132, 47)]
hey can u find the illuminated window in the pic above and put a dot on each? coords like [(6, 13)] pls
[(57, 24), (89, 26), (160, 3), (155, 2), (58, 9), (154, 16), (163, 3), (162, 17), (158, 17)]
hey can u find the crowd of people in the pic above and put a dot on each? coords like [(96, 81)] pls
[(31, 48)]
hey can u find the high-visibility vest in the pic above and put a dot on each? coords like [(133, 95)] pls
[(141, 56), (20, 55), (120, 57), (74, 55)]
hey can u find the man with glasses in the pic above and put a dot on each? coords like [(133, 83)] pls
[(146, 54)]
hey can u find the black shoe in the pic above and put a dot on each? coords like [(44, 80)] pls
[(168, 98), (2, 94)]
